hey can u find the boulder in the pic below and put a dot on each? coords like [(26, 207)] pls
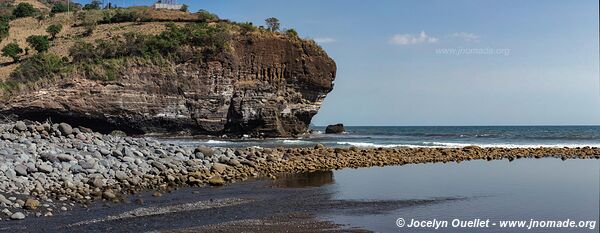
[(17, 216), (21, 170), (216, 180), (20, 126), (65, 129), (219, 167), (206, 151), (335, 129), (109, 195), (31, 204)]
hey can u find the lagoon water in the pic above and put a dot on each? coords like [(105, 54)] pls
[(539, 189), (365, 199)]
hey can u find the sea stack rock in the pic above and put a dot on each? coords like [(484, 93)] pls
[(335, 129), (264, 86)]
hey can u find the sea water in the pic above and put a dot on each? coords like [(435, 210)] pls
[(439, 136)]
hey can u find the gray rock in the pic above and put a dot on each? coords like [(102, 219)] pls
[(159, 165), (77, 169), (128, 159), (335, 129), (248, 163), (20, 126), (65, 158), (206, 151), (87, 164), (120, 175), (31, 168), (128, 152), (45, 168), (49, 157), (104, 152), (21, 170), (17, 216), (8, 136), (5, 201), (99, 182), (234, 162), (65, 129), (117, 153)]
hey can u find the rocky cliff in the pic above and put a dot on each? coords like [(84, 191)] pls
[(261, 86)]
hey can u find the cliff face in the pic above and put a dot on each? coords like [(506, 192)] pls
[(263, 86)]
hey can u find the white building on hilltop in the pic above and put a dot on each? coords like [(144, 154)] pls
[(167, 4)]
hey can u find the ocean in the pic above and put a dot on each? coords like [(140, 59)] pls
[(428, 136)]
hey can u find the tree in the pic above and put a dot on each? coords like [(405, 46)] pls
[(54, 29), (184, 8), (24, 10), (59, 8), (12, 50), (39, 43), (273, 24), (94, 5)]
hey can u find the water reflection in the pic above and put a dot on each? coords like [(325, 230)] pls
[(305, 180), (547, 189)]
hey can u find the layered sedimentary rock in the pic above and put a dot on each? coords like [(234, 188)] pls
[(269, 86)]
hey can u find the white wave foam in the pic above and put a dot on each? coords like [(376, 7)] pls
[(368, 145), (506, 145), (461, 145), (288, 141), (216, 142)]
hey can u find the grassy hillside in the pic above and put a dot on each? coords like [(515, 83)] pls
[(97, 41)]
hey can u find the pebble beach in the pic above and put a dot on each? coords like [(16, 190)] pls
[(48, 168)]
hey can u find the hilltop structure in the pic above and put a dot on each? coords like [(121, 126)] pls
[(167, 4)]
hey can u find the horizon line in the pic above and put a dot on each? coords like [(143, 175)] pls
[(523, 125)]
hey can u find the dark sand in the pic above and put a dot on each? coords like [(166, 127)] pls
[(289, 204)]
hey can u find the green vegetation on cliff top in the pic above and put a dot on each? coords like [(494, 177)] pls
[(100, 57)]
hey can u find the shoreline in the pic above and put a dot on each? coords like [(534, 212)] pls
[(48, 168)]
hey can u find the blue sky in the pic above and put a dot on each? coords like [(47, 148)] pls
[(522, 62)]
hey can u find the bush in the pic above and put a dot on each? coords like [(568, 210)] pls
[(184, 8), (107, 70), (89, 20), (210, 37), (39, 66), (94, 5), (120, 16), (24, 10), (292, 33), (83, 52), (39, 43), (4, 29), (246, 28), (12, 50), (54, 29), (40, 17), (206, 16)]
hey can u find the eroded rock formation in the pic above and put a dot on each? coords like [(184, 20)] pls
[(261, 87)]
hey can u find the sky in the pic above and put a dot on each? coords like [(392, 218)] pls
[(438, 62)]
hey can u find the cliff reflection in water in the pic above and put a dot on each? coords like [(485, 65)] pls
[(305, 180)]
